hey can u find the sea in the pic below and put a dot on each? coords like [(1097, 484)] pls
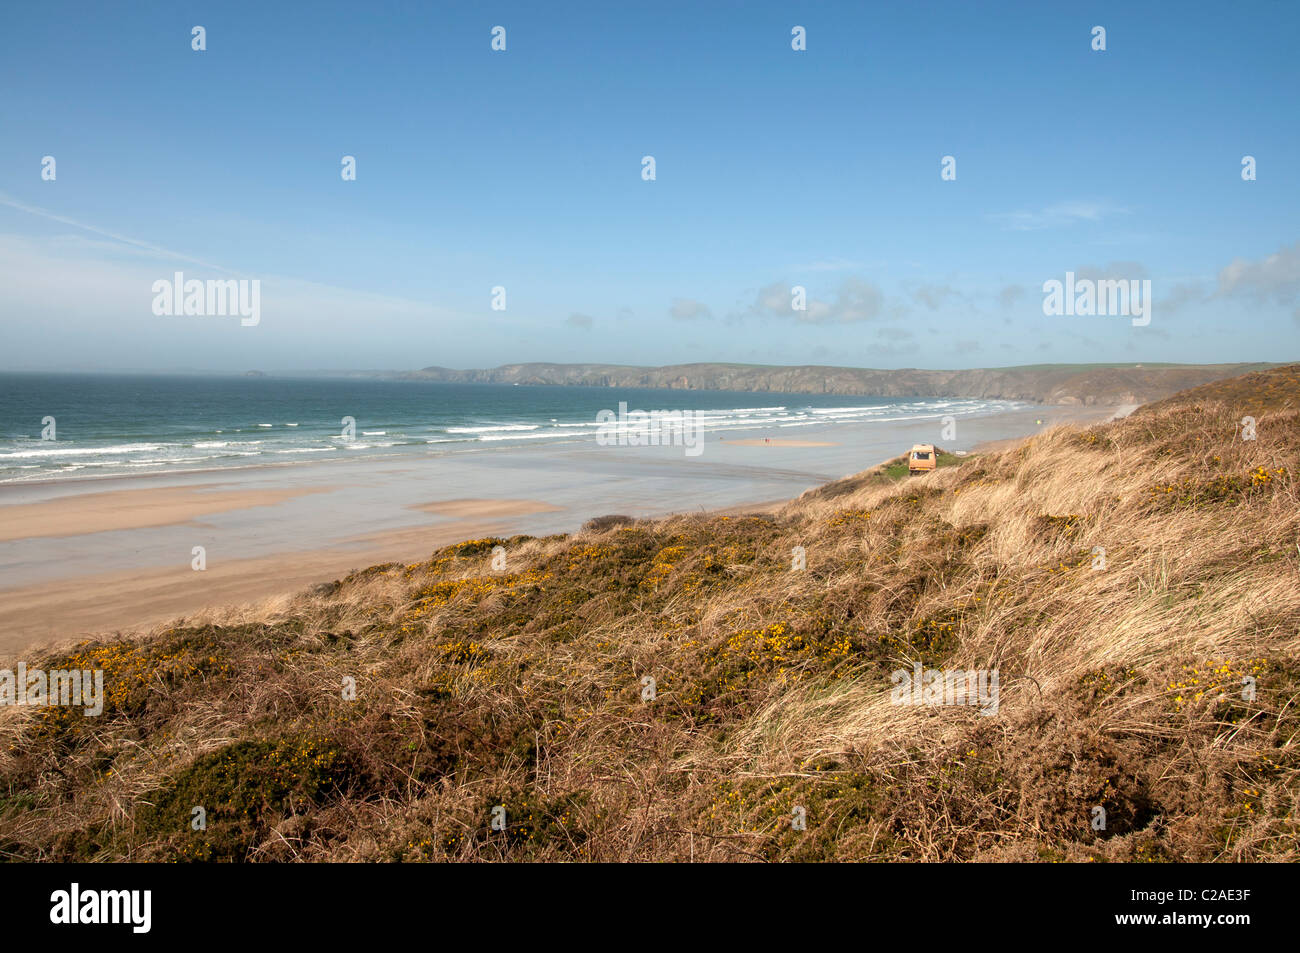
[(77, 426)]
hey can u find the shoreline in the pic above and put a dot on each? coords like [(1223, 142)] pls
[(73, 479), (266, 537)]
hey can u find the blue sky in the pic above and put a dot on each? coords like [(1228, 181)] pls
[(522, 169)]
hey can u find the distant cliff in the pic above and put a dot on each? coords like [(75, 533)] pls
[(1039, 383)]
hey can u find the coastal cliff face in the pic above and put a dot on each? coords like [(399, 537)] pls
[(1049, 384)]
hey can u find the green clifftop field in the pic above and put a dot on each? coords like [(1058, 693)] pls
[(1124, 688)]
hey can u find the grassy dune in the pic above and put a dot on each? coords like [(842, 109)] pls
[(1121, 687)]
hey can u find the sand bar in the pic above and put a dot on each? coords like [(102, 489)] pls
[(131, 509), (485, 509)]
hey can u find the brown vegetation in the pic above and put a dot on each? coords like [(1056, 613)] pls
[(1121, 687)]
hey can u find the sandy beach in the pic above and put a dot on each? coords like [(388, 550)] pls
[(115, 554)]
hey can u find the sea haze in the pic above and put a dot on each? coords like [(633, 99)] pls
[(116, 424)]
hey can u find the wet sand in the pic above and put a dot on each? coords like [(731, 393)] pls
[(131, 509), (138, 598), (777, 442), (484, 509)]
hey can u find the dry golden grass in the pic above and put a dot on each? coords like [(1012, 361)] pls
[(1121, 687)]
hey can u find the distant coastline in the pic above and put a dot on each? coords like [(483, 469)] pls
[(1086, 384)]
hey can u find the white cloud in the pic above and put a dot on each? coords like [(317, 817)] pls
[(687, 309), (1275, 277), (1060, 215), (856, 300), (113, 236)]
